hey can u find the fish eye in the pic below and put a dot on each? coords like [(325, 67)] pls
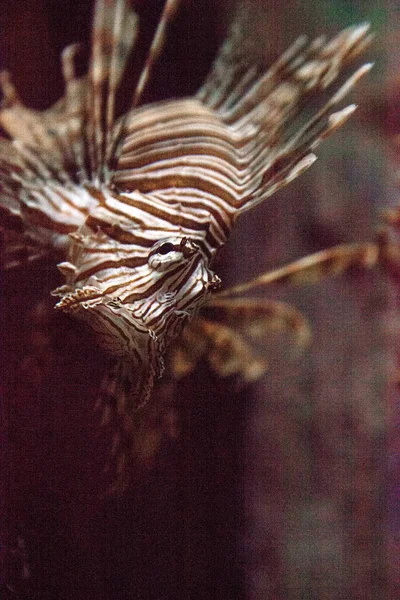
[(166, 248), (166, 254)]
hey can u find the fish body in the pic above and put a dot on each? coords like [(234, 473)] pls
[(135, 208)]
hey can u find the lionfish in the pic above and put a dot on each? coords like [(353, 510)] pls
[(135, 208)]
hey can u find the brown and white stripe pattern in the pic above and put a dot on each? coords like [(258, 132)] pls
[(138, 206)]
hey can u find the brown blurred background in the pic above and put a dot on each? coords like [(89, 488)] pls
[(284, 490)]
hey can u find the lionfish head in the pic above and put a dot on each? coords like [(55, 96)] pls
[(136, 296)]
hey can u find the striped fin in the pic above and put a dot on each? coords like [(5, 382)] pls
[(170, 8), (54, 154), (80, 128), (133, 437), (228, 329), (122, 407), (233, 141), (230, 335), (239, 86), (39, 199), (314, 267), (17, 250), (114, 34), (39, 172), (116, 417), (127, 419), (55, 135), (52, 131), (270, 103)]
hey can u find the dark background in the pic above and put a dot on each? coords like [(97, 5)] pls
[(282, 490)]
